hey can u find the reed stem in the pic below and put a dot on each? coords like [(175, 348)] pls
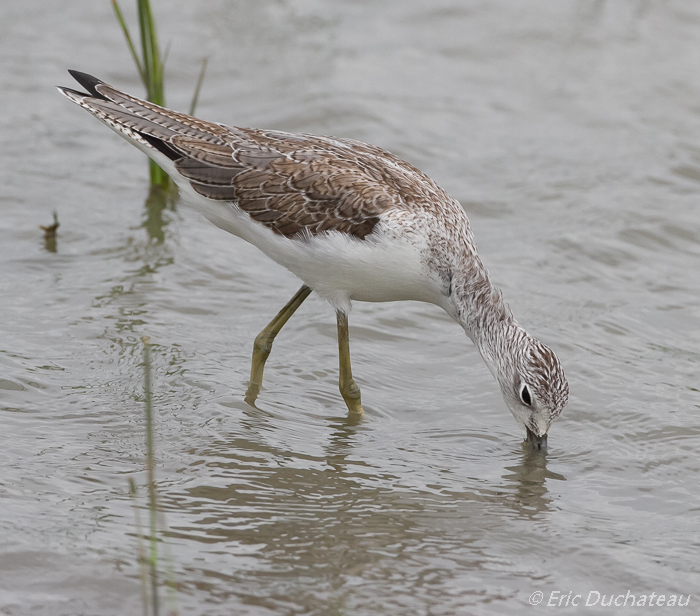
[(198, 87), (150, 469), (149, 66), (141, 550)]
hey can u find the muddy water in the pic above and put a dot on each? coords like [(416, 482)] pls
[(569, 131)]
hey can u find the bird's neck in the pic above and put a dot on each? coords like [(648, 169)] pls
[(479, 308)]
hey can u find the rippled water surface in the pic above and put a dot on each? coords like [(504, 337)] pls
[(569, 131)]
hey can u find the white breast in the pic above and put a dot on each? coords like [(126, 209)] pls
[(388, 265)]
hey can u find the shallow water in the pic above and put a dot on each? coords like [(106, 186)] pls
[(569, 131)]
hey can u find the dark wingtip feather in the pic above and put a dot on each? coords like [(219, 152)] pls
[(88, 82), (70, 92), (162, 146)]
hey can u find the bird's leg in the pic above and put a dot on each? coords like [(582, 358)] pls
[(348, 387), (263, 342)]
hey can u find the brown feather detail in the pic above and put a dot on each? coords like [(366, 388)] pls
[(289, 183), (285, 166), (199, 171), (257, 160), (267, 216), (313, 188), (275, 187), (305, 220), (180, 123), (133, 122), (218, 193), (251, 180), (287, 228), (210, 153), (366, 227), (286, 203), (253, 205)]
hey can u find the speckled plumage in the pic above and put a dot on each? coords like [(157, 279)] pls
[(350, 219)]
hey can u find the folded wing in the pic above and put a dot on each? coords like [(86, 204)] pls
[(292, 184)]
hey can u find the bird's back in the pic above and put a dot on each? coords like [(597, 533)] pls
[(290, 183)]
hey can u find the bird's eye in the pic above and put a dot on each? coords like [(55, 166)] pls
[(525, 396)]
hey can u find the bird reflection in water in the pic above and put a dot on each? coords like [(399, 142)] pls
[(529, 479)]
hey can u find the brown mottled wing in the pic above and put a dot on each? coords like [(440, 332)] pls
[(289, 183), (295, 183)]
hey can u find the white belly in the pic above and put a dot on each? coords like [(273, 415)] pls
[(386, 266)]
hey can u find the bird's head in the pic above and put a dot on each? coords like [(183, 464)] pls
[(533, 385)]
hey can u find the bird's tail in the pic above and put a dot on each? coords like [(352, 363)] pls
[(144, 124)]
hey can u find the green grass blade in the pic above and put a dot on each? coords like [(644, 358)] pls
[(150, 466), (146, 51), (198, 87), (151, 52), (166, 53), (149, 66), (141, 551), (129, 42), (170, 583), (153, 72)]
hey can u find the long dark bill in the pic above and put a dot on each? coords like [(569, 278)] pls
[(538, 443)]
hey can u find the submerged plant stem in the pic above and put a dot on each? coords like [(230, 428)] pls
[(141, 550), (150, 464)]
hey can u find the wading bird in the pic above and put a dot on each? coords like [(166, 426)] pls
[(353, 222)]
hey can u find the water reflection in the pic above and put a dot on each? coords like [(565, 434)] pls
[(529, 479), (318, 521), (158, 200), (342, 441), (340, 445)]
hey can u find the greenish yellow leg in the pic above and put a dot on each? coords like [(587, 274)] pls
[(263, 342), (348, 387)]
